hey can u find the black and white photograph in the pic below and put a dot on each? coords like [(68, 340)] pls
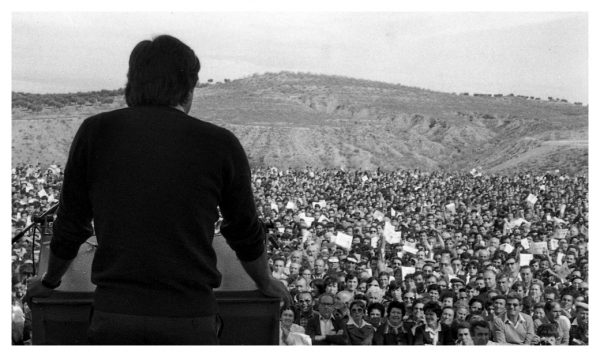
[(267, 175)]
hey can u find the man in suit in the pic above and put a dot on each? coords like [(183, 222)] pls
[(324, 328)]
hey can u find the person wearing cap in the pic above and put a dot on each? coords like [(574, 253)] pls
[(579, 334), (350, 265), (334, 265)]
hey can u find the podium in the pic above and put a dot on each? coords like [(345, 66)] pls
[(249, 318)]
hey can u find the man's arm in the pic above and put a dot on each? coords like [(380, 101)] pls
[(499, 331), (259, 271), (43, 287), (73, 224), (530, 332), (241, 227)]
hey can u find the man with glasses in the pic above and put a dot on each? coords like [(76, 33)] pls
[(304, 311), (324, 328), (513, 327), (408, 299)]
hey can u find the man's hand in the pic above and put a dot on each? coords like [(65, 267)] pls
[(36, 289), (275, 288)]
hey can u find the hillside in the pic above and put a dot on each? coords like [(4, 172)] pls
[(297, 119)]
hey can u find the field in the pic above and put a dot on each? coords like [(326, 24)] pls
[(298, 119)]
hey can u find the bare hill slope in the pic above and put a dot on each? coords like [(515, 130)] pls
[(290, 119)]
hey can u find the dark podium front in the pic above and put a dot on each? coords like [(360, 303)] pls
[(249, 318)]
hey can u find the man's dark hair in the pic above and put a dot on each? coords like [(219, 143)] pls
[(433, 306), (478, 323), (162, 71), (547, 330), (396, 304)]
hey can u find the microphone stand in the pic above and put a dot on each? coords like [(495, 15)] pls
[(42, 220)]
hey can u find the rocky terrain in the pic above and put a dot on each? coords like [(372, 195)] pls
[(298, 119)]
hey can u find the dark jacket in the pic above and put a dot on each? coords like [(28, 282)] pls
[(313, 328), (385, 335), (422, 338)]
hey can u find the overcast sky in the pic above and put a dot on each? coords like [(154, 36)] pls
[(540, 54)]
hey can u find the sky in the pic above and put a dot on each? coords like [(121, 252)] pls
[(530, 53)]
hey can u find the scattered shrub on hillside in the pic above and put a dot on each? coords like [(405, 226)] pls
[(36, 102)]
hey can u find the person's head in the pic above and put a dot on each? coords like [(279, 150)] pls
[(499, 304), (548, 334), (305, 300), (502, 283), (418, 310), (447, 299), (395, 312), (489, 279), (536, 290), (550, 294), (287, 315), (326, 305), (539, 311), (351, 282), (331, 285), (162, 71), (357, 310), (553, 310), (319, 266), (409, 298), (294, 269), (566, 299), (278, 265), (447, 315), (374, 294), (480, 332), (463, 333), (582, 314), (301, 284), (343, 297), (526, 274), (375, 311), (476, 306), (296, 256), (433, 313), (513, 305), (518, 288)]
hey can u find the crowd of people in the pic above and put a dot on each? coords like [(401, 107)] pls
[(34, 191), (399, 257), (417, 258)]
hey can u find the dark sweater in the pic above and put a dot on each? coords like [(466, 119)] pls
[(151, 177)]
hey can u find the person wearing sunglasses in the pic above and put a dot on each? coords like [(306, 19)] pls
[(357, 330), (513, 327)]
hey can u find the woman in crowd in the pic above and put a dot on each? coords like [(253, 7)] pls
[(358, 331), (289, 332)]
